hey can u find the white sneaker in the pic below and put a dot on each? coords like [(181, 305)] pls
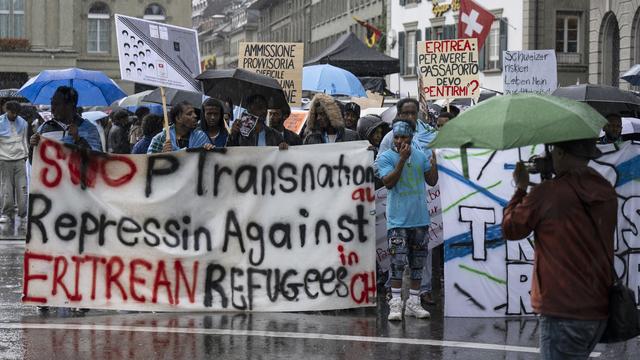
[(395, 309), (4, 219), (413, 308)]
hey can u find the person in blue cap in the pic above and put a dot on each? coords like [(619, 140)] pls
[(403, 170)]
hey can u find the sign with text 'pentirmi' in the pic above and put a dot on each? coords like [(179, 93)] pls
[(281, 61), (158, 54), (448, 69), (253, 229)]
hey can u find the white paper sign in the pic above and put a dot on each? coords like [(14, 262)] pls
[(158, 54), (253, 229), (531, 71)]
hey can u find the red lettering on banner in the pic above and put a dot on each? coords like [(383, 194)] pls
[(95, 166), (363, 194), (94, 275), (136, 280), (161, 280), (44, 155), (448, 45), (77, 261), (59, 275), (368, 283), (114, 278), (29, 256), (446, 91), (191, 291)]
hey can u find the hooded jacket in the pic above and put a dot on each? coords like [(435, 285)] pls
[(314, 135), (573, 218)]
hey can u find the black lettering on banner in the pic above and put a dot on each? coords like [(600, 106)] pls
[(359, 175), (122, 228), (232, 220), (478, 218), (284, 285), (328, 276), (252, 285), (213, 283), (152, 234), (86, 230), (308, 281), (308, 173), (185, 233), (202, 231), (173, 165), (255, 232), (273, 291), (268, 169), (290, 179), (361, 221), (250, 178), (518, 288), (303, 227), (65, 221), (285, 230), (341, 275), (236, 272), (340, 168), (168, 229), (35, 218), (323, 224), (202, 159), (104, 223), (328, 176)]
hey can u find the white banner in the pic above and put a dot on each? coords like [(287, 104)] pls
[(488, 277), (249, 229), (531, 71), (158, 54)]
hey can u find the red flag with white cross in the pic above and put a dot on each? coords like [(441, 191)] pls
[(474, 21)]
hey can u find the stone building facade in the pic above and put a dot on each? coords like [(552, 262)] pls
[(52, 34)]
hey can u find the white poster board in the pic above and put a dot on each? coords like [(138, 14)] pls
[(158, 54), (530, 71)]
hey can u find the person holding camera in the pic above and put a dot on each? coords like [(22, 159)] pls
[(573, 218)]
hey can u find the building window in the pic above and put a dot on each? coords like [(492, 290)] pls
[(98, 34), (12, 19), (410, 53), (494, 45), (567, 30), (155, 12)]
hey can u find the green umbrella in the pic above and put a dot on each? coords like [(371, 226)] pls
[(511, 121)]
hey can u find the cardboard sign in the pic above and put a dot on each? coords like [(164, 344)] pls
[(246, 229), (295, 122), (158, 54), (448, 69), (281, 61), (486, 276), (532, 71)]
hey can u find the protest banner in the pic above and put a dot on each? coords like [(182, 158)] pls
[(449, 69), (245, 229), (281, 61), (434, 235), (531, 71), (158, 54), (486, 276)]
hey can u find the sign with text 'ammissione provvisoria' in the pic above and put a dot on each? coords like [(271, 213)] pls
[(251, 229), (158, 54), (281, 61), (448, 69)]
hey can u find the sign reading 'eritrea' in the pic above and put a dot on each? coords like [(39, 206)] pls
[(449, 69)]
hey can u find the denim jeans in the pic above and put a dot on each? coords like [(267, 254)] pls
[(425, 285), (407, 247), (569, 339)]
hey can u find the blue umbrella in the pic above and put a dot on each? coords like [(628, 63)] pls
[(331, 80), (94, 87), (632, 75)]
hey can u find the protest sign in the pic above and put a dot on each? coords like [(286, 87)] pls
[(449, 69), (295, 122), (281, 61), (486, 276), (247, 123), (531, 71), (158, 54), (247, 229)]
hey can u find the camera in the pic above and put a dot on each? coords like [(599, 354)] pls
[(542, 165)]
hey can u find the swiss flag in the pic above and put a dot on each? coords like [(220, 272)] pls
[(474, 21)]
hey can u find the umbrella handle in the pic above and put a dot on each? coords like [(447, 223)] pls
[(164, 111)]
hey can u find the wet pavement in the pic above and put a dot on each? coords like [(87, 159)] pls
[(354, 334)]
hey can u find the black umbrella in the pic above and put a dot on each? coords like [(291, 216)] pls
[(12, 94), (238, 84), (605, 99), (175, 97)]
